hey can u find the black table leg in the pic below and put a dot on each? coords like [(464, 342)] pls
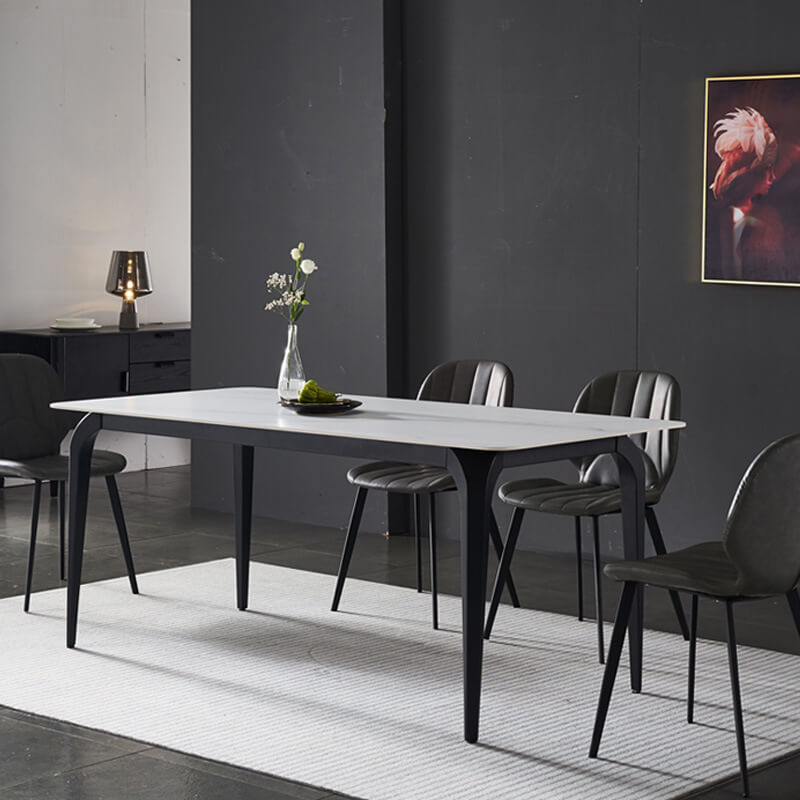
[(631, 474), (243, 510), (80, 460), (475, 474)]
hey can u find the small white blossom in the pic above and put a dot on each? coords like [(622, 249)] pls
[(289, 291)]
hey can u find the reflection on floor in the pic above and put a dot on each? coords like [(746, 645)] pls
[(45, 759)]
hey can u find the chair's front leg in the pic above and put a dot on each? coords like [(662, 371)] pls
[(80, 462), (631, 475), (475, 473), (122, 531), (626, 603)]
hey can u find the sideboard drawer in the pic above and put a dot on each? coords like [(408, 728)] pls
[(160, 376), (148, 346)]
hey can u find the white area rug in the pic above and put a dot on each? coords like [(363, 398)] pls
[(368, 702)]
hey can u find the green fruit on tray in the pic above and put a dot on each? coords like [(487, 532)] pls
[(313, 393)]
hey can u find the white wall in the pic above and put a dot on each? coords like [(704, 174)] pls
[(94, 157)]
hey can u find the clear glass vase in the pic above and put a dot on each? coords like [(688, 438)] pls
[(292, 376)]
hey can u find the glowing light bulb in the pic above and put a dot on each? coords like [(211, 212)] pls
[(129, 295)]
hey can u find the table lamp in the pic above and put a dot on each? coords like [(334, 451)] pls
[(129, 277)]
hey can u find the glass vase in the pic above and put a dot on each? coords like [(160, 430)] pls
[(291, 376)]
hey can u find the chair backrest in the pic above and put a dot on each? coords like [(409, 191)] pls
[(29, 428), (483, 383), (762, 531), (634, 393)]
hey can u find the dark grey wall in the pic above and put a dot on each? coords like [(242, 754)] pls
[(287, 116), (522, 137), (552, 206), (732, 347)]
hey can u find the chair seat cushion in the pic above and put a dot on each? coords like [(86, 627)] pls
[(700, 569), (56, 467), (575, 500), (390, 476)]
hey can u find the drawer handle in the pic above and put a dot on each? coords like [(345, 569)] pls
[(159, 364), (164, 334)]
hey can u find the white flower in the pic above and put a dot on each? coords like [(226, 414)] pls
[(308, 266), (295, 254)]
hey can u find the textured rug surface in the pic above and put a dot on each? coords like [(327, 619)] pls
[(368, 702)]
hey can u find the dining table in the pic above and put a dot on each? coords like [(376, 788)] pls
[(474, 443)]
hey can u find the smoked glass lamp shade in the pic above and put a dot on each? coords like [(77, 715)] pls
[(129, 277)]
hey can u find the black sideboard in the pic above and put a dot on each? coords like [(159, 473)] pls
[(107, 361)]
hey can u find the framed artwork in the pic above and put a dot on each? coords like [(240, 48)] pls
[(751, 208)]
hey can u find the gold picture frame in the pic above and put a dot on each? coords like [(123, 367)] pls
[(751, 189)]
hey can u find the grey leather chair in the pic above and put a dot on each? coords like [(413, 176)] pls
[(596, 493), (758, 557), (475, 382), (30, 437)]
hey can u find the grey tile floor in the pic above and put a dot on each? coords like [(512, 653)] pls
[(44, 759)]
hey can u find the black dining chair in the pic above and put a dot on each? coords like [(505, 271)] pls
[(758, 557), (30, 437), (596, 493), (488, 383)]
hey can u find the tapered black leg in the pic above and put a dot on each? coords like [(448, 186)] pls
[(418, 539), (660, 548), (503, 568), (37, 496), (598, 588), (692, 661), (349, 544), (733, 664), (80, 460), (62, 528), (579, 566), (497, 541), (432, 546), (626, 603), (475, 473), (243, 511), (119, 518), (54, 488), (794, 606), (631, 478)]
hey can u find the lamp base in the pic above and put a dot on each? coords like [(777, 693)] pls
[(128, 318)]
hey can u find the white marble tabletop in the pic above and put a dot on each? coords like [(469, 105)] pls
[(452, 425)]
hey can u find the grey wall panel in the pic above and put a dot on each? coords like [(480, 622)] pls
[(732, 347), (521, 179), (287, 116)]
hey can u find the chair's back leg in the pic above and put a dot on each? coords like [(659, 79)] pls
[(733, 664), (503, 568), (432, 547), (692, 661), (598, 588), (497, 541), (579, 566), (37, 497), (62, 528), (418, 539), (612, 663)]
